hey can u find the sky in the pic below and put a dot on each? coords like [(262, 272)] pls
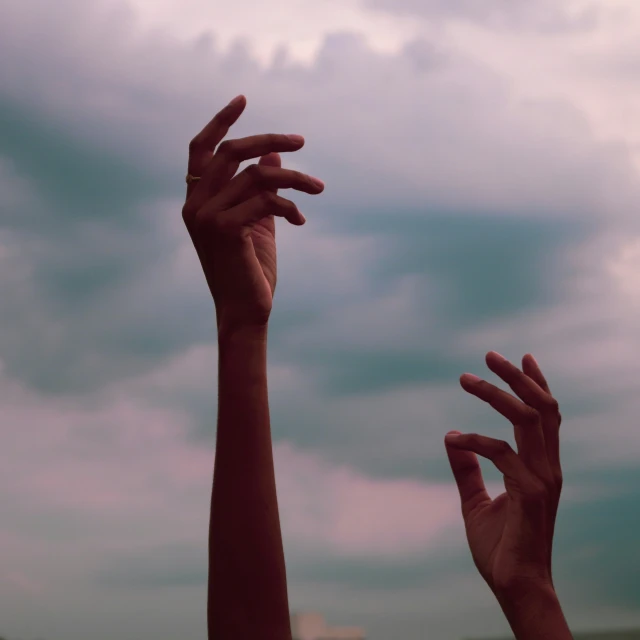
[(481, 162)]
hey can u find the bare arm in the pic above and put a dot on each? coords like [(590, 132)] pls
[(231, 220), (247, 578), (534, 612)]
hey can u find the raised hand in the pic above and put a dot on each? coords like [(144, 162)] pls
[(231, 219), (511, 536)]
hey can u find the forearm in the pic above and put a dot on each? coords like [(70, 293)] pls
[(247, 596), (534, 613)]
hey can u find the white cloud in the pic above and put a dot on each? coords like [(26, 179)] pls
[(544, 15), (452, 135), (591, 70), (298, 23)]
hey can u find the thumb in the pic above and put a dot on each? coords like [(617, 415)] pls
[(467, 473)]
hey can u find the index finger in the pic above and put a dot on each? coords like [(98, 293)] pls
[(202, 146)]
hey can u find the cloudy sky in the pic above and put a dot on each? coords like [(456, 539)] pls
[(482, 170)]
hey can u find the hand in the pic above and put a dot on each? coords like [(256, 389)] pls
[(511, 537), (231, 219)]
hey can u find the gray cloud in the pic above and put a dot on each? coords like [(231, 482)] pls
[(169, 566), (108, 216), (457, 218)]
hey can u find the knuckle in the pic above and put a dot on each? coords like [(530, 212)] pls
[(287, 207), (558, 479), (503, 448), (255, 172), (223, 225), (226, 148), (194, 144), (551, 404), (190, 212), (207, 223), (200, 221), (268, 198), (530, 417)]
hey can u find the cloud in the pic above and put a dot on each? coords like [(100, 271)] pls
[(104, 167), (119, 459), (541, 15), (461, 215)]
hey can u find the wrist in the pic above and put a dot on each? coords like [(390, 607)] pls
[(233, 332), (242, 359), (533, 610)]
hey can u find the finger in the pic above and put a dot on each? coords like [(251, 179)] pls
[(270, 160), (531, 367), (226, 161), (231, 153), (514, 410), (468, 476), (258, 177), (525, 420), (551, 418), (202, 146), (536, 396), (239, 220), (242, 149), (520, 482), (525, 387)]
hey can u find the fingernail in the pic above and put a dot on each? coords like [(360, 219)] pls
[(236, 101), (469, 377), (317, 181), (452, 436), (303, 218), (495, 354), (295, 138)]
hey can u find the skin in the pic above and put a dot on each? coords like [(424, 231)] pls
[(231, 221), (511, 537)]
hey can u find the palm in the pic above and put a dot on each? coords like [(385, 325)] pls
[(245, 291), (502, 544), (242, 280), (485, 527), (264, 264)]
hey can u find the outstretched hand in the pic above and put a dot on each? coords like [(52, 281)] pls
[(511, 537), (231, 219)]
